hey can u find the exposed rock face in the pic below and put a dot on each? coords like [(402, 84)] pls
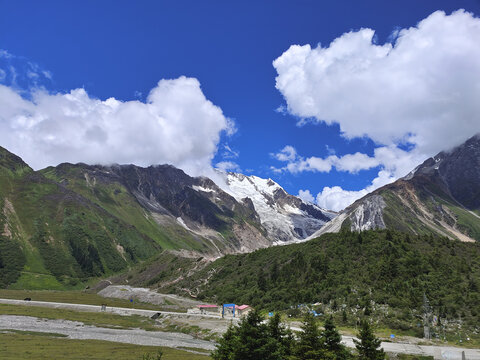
[(457, 172), (368, 215), (252, 213)]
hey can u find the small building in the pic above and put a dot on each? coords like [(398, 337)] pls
[(242, 310), (236, 311)]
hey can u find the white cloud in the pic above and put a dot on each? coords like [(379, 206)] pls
[(288, 153), (226, 166), (176, 125), (421, 89), (393, 162), (306, 195), (351, 163), (335, 198)]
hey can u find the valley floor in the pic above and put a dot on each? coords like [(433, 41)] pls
[(80, 330)]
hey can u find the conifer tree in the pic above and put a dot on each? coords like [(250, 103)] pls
[(281, 335), (344, 316), (332, 341), (249, 340), (368, 345), (309, 344), (227, 345)]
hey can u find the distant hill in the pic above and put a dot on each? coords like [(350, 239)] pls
[(441, 196)]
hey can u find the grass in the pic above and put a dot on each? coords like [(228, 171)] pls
[(74, 297), (36, 281), (48, 334), (34, 346), (97, 319)]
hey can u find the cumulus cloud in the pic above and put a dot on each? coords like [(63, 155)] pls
[(351, 163), (306, 195), (176, 125), (288, 153), (335, 198), (392, 162), (421, 89)]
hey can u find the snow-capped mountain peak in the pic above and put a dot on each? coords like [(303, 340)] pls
[(284, 216)]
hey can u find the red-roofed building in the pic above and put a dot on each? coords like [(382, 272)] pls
[(242, 310)]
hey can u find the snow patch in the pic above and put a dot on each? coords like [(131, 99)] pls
[(181, 222), (201, 188), (279, 212)]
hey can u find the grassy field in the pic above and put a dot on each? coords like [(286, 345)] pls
[(74, 297), (89, 318), (31, 346)]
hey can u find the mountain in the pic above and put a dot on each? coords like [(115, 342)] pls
[(52, 237), (179, 211), (441, 196), (285, 217), (64, 224)]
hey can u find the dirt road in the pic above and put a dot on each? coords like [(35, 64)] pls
[(78, 330)]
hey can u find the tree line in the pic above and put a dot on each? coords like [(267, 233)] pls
[(255, 339)]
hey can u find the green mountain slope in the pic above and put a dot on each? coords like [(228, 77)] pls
[(117, 200), (379, 267), (63, 225), (53, 237), (164, 203)]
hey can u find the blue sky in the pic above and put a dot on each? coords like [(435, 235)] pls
[(122, 49)]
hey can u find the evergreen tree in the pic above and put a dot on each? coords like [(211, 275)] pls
[(332, 340), (249, 340), (281, 335), (227, 345), (344, 316), (368, 345), (309, 344)]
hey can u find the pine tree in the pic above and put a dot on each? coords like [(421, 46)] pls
[(332, 340), (309, 345), (368, 345), (227, 345), (281, 335), (344, 316), (254, 340)]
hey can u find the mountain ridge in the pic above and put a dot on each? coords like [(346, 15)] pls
[(440, 196), (71, 222)]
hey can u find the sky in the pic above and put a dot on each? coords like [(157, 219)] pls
[(331, 99)]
